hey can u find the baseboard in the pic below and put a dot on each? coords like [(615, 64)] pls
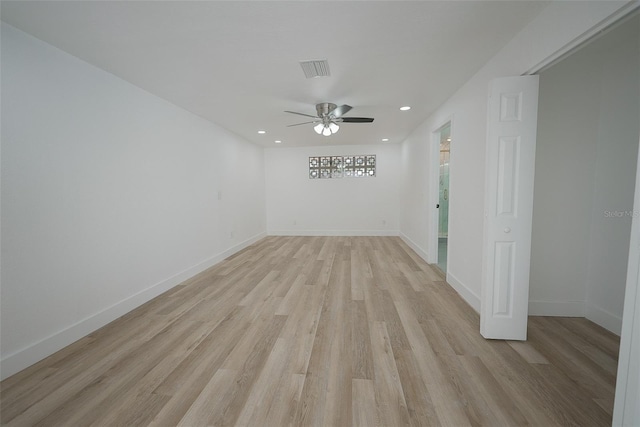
[(236, 248), (557, 308), (26, 357), (416, 248), (333, 232), (605, 319), (467, 294)]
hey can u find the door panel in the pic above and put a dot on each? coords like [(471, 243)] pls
[(510, 165), (507, 176)]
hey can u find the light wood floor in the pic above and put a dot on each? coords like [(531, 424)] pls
[(318, 331)]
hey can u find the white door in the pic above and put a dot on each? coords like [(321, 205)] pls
[(626, 411), (510, 165)]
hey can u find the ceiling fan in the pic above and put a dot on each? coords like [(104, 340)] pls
[(328, 116)]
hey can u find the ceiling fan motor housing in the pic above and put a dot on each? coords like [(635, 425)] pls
[(325, 108)]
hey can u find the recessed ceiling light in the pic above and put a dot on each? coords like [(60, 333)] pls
[(262, 132), (385, 139), (405, 108), (277, 141)]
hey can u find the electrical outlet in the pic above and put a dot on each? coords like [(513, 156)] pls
[(384, 222), (231, 235), (295, 222)]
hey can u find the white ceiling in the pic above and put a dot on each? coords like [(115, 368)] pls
[(236, 62)]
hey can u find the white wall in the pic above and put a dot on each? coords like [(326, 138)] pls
[(297, 205), (109, 197), (559, 25), (585, 176)]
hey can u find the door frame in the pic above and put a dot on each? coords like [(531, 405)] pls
[(627, 391), (434, 190)]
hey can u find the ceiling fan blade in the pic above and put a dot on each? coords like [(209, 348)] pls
[(301, 114), (339, 111), (356, 119), (304, 123)]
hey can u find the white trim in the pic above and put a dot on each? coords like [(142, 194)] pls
[(557, 308), (467, 294), (464, 291), (603, 318), (597, 315), (416, 248), (333, 232), (27, 356), (588, 36), (626, 410)]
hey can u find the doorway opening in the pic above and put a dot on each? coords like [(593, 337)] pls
[(585, 171), (443, 195)]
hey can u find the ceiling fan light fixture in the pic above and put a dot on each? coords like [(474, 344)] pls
[(327, 114)]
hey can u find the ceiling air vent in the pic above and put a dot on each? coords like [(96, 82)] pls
[(316, 68)]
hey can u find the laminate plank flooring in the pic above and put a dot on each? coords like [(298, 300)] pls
[(318, 331)]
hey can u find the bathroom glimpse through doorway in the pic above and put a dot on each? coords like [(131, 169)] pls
[(443, 196)]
